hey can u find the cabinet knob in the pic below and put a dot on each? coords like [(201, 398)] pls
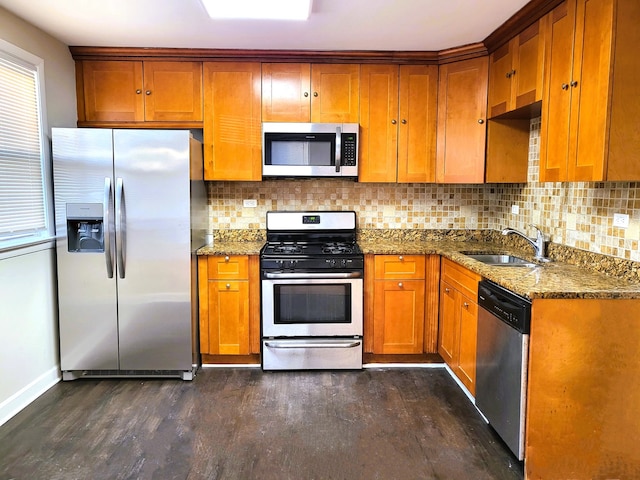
[(510, 73), (138, 91), (306, 94), (565, 86), (226, 258), (315, 94), (148, 92), (574, 83), (446, 290), (465, 305), (401, 258), (400, 284), (228, 286), (480, 121), (404, 122), (393, 122)]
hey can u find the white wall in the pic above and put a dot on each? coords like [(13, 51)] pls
[(29, 360)]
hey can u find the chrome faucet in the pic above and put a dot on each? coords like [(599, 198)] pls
[(539, 244)]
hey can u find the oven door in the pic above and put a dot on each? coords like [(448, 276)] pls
[(311, 307)]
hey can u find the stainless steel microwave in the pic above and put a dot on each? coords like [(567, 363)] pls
[(310, 150)]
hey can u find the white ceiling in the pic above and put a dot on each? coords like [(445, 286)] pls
[(420, 25)]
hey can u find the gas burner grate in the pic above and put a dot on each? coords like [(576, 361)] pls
[(287, 249), (337, 248)]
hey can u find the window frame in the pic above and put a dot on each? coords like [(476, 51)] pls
[(9, 247)]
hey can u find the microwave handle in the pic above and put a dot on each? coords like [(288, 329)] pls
[(338, 148)]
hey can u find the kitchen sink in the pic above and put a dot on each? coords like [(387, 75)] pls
[(500, 260)]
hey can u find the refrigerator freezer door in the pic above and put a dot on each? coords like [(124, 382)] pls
[(83, 169), (153, 277)]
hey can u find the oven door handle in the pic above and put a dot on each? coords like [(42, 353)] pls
[(313, 275), (312, 344)]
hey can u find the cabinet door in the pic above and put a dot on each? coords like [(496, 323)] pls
[(335, 93), (554, 132), (466, 370), (378, 147), (449, 325), (500, 73), (462, 105), (286, 92), (398, 319), (417, 127), (528, 67), (590, 90), (228, 326), (232, 129), (173, 91), (113, 91)]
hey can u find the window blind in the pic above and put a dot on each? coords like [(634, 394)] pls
[(23, 212)]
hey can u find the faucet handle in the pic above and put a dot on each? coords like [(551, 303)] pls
[(538, 230)]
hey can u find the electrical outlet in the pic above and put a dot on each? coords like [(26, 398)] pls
[(249, 203), (515, 209), (621, 220)]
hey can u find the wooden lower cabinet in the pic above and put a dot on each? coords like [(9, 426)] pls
[(229, 298), (583, 389), (399, 307), (459, 321)]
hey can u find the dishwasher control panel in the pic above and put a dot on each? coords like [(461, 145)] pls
[(512, 309)]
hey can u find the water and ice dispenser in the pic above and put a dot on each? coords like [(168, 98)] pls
[(85, 231)]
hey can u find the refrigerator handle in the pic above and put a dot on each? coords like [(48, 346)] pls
[(121, 225), (106, 225)]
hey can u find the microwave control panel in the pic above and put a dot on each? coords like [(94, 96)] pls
[(349, 149)]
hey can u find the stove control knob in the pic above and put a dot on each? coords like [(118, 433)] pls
[(332, 262)]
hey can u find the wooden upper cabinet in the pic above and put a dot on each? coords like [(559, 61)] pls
[(232, 126), (112, 91), (398, 107), (516, 72), (335, 93), (173, 91), (462, 111), (286, 92), (590, 108), (302, 92), (134, 91)]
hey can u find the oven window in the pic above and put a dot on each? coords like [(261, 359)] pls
[(325, 303)]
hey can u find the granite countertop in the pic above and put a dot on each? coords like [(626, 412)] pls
[(572, 273), (227, 247), (556, 279)]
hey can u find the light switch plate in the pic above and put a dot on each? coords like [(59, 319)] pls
[(515, 209), (249, 203)]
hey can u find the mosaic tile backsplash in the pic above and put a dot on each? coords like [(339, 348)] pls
[(578, 215)]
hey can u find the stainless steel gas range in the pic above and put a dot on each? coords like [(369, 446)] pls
[(312, 291)]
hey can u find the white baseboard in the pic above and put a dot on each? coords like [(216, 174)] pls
[(19, 400)]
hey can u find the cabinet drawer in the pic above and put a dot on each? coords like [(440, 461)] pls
[(389, 267), (460, 278), (223, 267)]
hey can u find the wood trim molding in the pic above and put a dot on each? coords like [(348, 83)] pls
[(316, 56), (527, 15), (204, 54)]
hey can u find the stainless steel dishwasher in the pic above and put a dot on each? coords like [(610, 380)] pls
[(502, 355)]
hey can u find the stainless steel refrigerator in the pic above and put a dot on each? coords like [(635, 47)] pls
[(130, 210)]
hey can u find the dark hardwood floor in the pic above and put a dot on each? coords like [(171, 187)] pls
[(234, 423)]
